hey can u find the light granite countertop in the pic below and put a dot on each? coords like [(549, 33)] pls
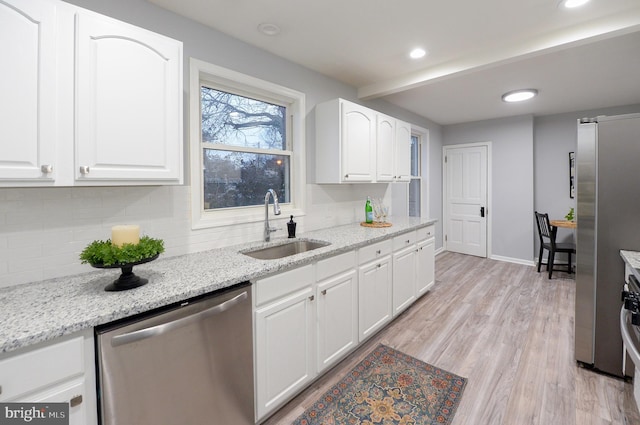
[(632, 258), (41, 311)]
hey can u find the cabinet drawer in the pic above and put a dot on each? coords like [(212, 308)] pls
[(38, 368), (274, 287), (404, 240), (374, 251), (334, 265), (426, 233)]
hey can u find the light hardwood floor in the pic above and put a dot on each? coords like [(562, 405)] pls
[(509, 330)]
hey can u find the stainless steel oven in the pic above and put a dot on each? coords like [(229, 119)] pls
[(630, 325)]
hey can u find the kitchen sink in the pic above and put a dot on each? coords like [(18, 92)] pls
[(285, 250)]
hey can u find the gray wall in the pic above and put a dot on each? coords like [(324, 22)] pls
[(554, 137), (511, 206)]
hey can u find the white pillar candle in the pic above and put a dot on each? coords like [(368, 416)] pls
[(127, 233)]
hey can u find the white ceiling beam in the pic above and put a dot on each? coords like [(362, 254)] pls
[(586, 33)]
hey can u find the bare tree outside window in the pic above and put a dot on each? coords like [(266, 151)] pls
[(244, 150)]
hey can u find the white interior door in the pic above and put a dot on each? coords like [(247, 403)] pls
[(466, 199)]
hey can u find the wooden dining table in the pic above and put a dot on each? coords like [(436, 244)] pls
[(567, 224)]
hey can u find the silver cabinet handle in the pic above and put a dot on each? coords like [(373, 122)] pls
[(311, 298), (85, 169), (378, 252), (324, 292), (379, 265), (75, 401), (346, 176), (47, 168), (178, 323), (408, 240)]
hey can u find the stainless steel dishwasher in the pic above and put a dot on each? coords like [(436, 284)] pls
[(189, 364)]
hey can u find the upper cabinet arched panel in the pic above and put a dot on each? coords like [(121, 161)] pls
[(128, 97), (27, 84)]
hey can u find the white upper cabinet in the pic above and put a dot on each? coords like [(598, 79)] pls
[(128, 102), (402, 153), (355, 144), (345, 142), (358, 143), (28, 135), (86, 99), (385, 167)]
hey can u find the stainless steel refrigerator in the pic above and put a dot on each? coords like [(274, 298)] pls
[(608, 214)]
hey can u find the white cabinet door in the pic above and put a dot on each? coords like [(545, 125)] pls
[(358, 143), (128, 102), (425, 266), (402, 154), (61, 370), (374, 297), (28, 133), (284, 333), (404, 279), (72, 393), (337, 318), (385, 146)]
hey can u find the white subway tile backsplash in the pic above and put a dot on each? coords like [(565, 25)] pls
[(43, 230)]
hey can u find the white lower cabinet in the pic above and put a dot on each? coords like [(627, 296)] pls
[(404, 279), (284, 337), (404, 271), (425, 265), (337, 309), (62, 370), (309, 318), (374, 288)]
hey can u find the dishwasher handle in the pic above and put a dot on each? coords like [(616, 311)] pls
[(178, 323)]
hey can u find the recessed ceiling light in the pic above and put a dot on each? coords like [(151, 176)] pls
[(519, 95), (269, 29), (574, 3), (417, 53)]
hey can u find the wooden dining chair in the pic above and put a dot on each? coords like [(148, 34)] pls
[(547, 234)]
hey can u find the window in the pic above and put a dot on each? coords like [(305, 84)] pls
[(415, 182), (418, 201), (244, 149), (247, 136)]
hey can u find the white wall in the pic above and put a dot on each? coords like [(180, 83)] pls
[(511, 207), (42, 231)]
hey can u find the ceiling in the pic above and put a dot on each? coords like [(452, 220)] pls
[(578, 59)]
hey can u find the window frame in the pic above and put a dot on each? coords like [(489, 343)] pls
[(219, 78), (422, 135)]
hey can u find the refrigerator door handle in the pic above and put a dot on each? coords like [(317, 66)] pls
[(178, 323)]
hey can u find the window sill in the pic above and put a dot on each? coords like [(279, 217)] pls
[(238, 217)]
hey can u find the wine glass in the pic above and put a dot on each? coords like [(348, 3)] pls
[(377, 211)]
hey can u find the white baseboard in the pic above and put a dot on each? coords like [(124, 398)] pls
[(513, 260), (440, 251)]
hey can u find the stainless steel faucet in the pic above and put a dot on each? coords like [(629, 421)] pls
[(276, 211)]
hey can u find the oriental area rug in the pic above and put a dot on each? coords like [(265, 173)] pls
[(388, 388)]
